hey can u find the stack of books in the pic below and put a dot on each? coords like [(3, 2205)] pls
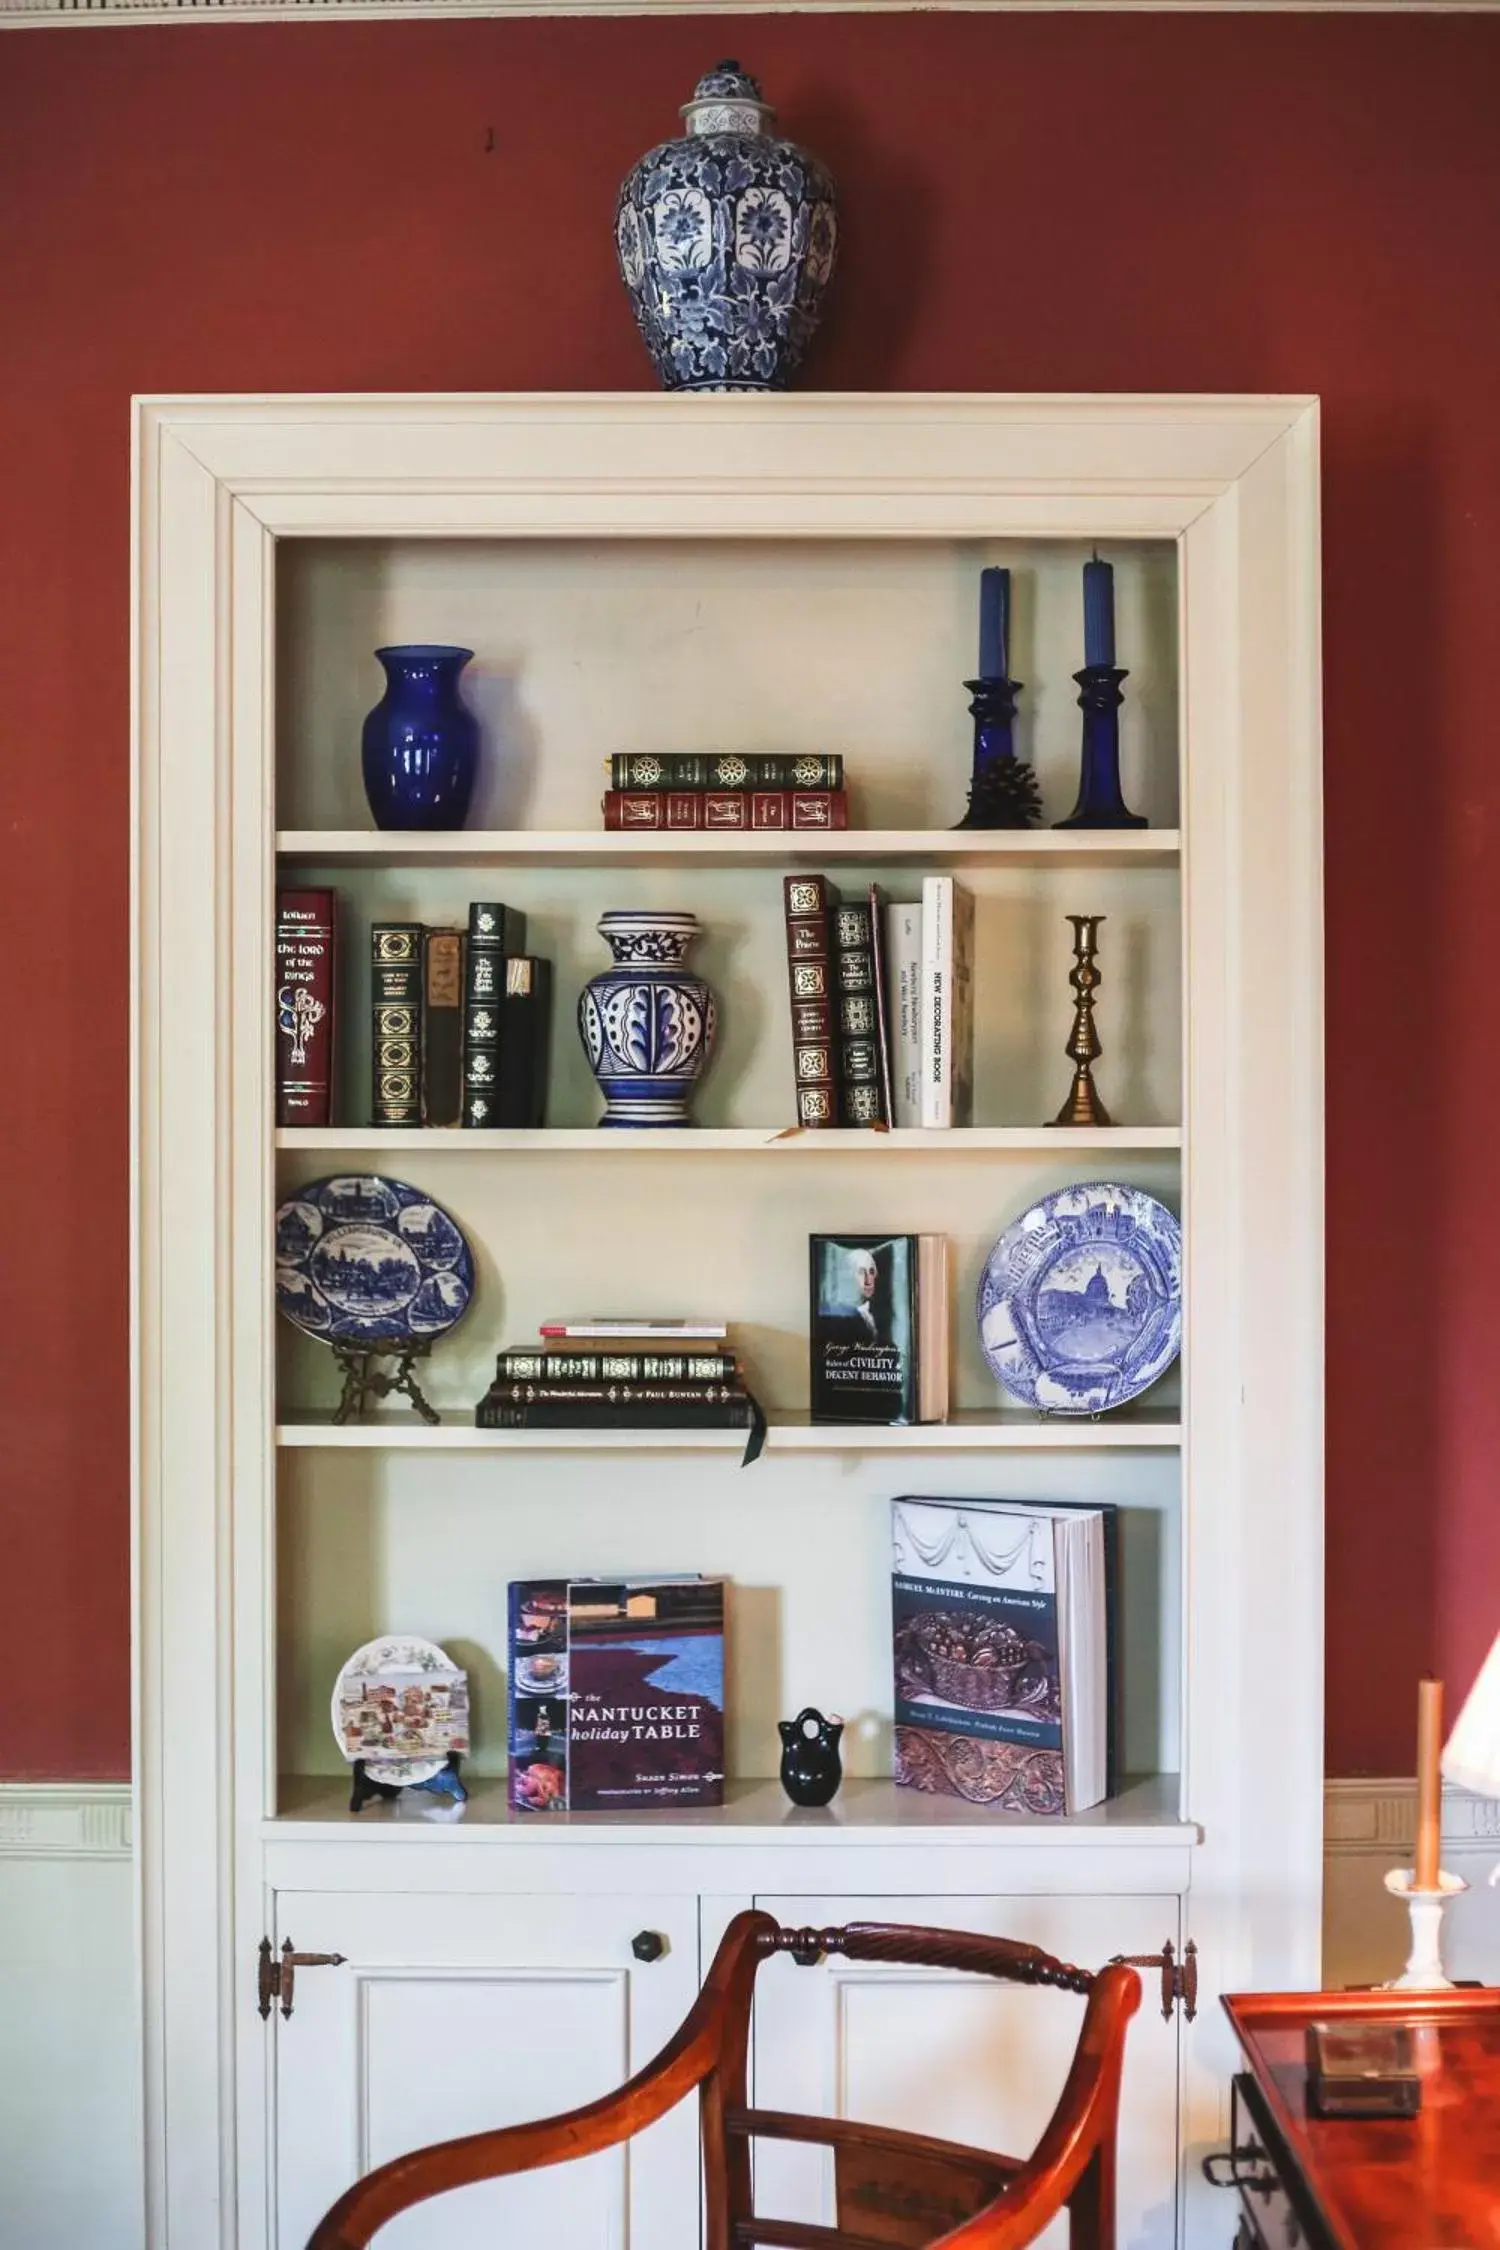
[(623, 1374), (461, 1023), (689, 790), (882, 1004)]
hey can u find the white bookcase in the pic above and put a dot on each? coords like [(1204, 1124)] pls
[(793, 573)]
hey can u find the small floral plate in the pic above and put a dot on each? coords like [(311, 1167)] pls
[(360, 1734)]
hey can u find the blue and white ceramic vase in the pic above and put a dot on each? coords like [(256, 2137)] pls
[(726, 240), (421, 742), (646, 1024)]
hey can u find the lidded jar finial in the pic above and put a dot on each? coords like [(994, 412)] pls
[(726, 99)]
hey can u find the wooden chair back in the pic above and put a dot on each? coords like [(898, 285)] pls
[(893, 2190)]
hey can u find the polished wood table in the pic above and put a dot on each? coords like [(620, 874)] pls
[(1430, 2182)]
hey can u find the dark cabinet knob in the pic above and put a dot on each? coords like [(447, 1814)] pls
[(648, 1945)]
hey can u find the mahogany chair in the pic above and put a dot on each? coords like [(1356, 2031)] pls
[(894, 2191)]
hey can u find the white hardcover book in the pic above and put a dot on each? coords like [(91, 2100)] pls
[(961, 1010), (903, 963), (947, 1002)]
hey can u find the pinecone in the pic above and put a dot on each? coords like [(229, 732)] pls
[(1004, 796)]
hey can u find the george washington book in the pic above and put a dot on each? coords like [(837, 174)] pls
[(878, 1327), (617, 1693), (1003, 1616)]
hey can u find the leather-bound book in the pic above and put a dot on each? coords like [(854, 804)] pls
[(495, 933), (676, 769), (396, 1023), (809, 902), (525, 1043), (857, 1018), (306, 966), (725, 808), (442, 1027)]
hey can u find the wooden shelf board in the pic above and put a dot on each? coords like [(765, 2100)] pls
[(976, 1140), (1144, 1812), (967, 1432), (498, 847)]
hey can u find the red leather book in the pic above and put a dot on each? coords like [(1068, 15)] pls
[(719, 808), (306, 962), (646, 808), (818, 808), (810, 903)]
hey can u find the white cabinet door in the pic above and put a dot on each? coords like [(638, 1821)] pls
[(962, 2057), (454, 2013)]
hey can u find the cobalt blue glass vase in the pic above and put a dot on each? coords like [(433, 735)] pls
[(420, 743), (647, 1024)]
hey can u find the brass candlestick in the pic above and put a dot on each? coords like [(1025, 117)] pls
[(1083, 1106)]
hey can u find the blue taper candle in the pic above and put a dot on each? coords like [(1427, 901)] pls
[(1098, 613), (994, 624)]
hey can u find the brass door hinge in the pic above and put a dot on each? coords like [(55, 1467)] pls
[(1179, 1978), (276, 1978)]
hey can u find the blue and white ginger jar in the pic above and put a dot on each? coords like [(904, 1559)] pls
[(646, 1024), (726, 240)]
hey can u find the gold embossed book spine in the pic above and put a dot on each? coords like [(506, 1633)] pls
[(810, 902), (396, 1023), (856, 1018)]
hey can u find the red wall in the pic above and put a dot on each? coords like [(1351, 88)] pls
[(1178, 203)]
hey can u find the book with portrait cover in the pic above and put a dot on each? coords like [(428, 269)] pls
[(878, 1327), (1003, 1616), (617, 1693)]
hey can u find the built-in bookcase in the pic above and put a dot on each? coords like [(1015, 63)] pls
[(588, 646), (648, 574)]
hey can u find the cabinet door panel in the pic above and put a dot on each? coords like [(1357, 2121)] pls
[(961, 2057), (456, 2014)]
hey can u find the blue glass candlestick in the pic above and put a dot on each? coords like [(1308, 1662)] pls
[(1002, 787), (1100, 804), (1098, 614), (994, 624)]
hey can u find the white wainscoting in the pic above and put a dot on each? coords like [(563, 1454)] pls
[(70, 2176), (1368, 1826), (70, 2163)]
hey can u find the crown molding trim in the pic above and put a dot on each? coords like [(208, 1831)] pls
[(36, 15), (66, 1820)]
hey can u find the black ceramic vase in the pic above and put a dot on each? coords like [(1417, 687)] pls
[(810, 1768)]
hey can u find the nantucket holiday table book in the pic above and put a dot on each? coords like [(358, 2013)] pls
[(616, 1693)]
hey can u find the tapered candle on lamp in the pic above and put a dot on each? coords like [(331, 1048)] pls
[(1429, 1785), (994, 624), (1098, 614)]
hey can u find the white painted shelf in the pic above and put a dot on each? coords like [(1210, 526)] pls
[(961, 1433), (976, 1140), (1144, 1811), (589, 847)]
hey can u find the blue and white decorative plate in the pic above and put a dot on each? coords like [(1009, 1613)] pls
[(1080, 1302), (364, 1260)]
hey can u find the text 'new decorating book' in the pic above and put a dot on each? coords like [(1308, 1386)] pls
[(616, 1693), (1002, 1616)]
